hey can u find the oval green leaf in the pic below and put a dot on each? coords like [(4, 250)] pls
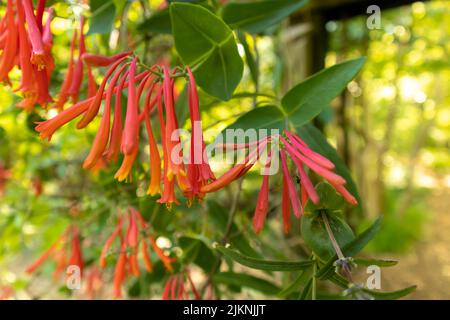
[(207, 44), (316, 236), (307, 99)]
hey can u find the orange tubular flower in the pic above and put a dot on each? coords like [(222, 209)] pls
[(129, 249), (77, 79), (286, 206), (262, 204), (101, 139), (176, 289), (97, 100), (64, 92), (130, 138), (198, 170), (115, 138), (27, 85), (97, 60), (9, 50), (292, 192), (38, 57), (119, 272), (25, 43), (127, 164), (76, 257), (48, 128), (155, 160), (172, 140), (237, 171), (58, 253)]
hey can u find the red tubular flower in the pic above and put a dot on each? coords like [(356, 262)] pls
[(174, 166), (94, 282), (10, 48), (321, 171), (101, 139), (77, 79), (117, 231), (292, 192), (92, 84), (155, 160), (64, 92), (132, 234), (176, 289), (119, 272), (305, 182), (40, 8), (47, 39), (76, 257), (98, 60), (167, 261), (96, 102), (57, 252), (38, 57), (237, 171), (129, 248), (305, 150), (112, 153), (37, 263), (262, 204), (198, 169), (27, 85), (130, 138), (127, 163), (286, 206), (48, 128), (344, 192)]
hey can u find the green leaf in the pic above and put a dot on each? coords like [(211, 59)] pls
[(307, 99), (351, 249), (317, 142), (207, 44), (377, 295), (376, 262), (102, 16), (257, 16), (306, 291), (316, 236), (246, 280), (301, 279), (259, 264), (196, 251), (266, 117), (393, 295), (158, 23)]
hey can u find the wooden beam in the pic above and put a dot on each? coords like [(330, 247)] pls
[(344, 9)]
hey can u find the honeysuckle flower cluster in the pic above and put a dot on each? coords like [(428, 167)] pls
[(150, 92), (304, 159), (26, 42), (176, 287), (66, 251), (136, 237), (73, 79)]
